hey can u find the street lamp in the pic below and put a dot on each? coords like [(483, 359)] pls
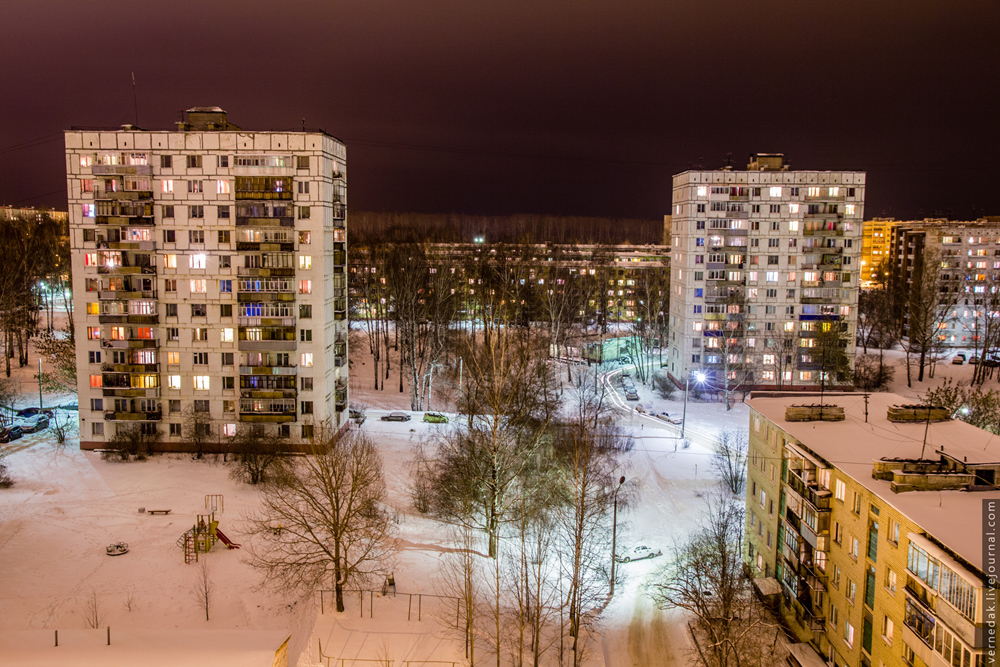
[(614, 536), (699, 377)]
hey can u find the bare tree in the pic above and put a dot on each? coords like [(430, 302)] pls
[(60, 349), (130, 602), (131, 441), (729, 459), (197, 425), (460, 577), (928, 308), (93, 611), (330, 515), (779, 353), (256, 452), (6, 481), (871, 373), (707, 578), (204, 587)]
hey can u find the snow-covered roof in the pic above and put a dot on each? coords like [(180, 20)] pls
[(954, 518)]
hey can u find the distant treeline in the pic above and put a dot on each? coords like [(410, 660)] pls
[(368, 227)]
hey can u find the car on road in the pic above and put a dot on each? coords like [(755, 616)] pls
[(435, 418), (973, 360), (396, 417), (29, 412), (10, 433), (958, 359), (640, 408), (631, 395), (664, 416), (638, 553), (34, 423)]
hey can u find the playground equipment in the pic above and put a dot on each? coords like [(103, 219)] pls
[(201, 537), (117, 549)]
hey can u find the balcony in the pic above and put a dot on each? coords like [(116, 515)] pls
[(278, 221), (123, 221), (123, 195), (121, 295), (339, 211), (262, 196), (268, 370), (266, 345), (130, 368), (132, 416), (126, 270), (133, 343), (121, 170), (244, 321)]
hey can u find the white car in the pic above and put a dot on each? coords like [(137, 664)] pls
[(638, 553)]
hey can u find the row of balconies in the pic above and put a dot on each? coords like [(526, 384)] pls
[(111, 415), (128, 319), (121, 295)]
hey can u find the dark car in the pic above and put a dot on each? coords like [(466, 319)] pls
[(34, 423), (9, 433), (30, 412), (396, 417)]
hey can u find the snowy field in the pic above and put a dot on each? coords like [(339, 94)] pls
[(67, 505)]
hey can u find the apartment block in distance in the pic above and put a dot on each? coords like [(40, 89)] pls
[(966, 259), (875, 238), (209, 276), (865, 528), (759, 257)]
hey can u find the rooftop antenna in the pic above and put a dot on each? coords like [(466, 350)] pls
[(303, 124), (729, 159), (135, 101), (927, 427)]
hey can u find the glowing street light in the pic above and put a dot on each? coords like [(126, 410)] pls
[(699, 377)]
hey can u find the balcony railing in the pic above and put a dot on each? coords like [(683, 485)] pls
[(132, 416)]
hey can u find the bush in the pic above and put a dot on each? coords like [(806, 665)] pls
[(130, 442), (664, 386), (871, 374)]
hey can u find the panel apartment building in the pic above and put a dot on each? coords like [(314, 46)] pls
[(866, 526), (966, 261), (759, 257), (209, 276)]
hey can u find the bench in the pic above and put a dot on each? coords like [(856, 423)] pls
[(159, 511)]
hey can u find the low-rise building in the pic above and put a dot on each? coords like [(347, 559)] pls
[(869, 512)]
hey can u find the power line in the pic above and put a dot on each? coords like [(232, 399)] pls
[(31, 143)]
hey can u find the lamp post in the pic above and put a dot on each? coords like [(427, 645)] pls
[(40, 406), (614, 536), (699, 377)]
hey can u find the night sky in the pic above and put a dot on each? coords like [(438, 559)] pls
[(530, 106)]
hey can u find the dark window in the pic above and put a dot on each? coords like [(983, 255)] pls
[(194, 161), (201, 358), (203, 429), (228, 382), (196, 211), (305, 311), (196, 236), (302, 161), (166, 161), (171, 310), (169, 236), (174, 405), (199, 310), (284, 431), (97, 404), (95, 356), (170, 285), (307, 384), (307, 407), (307, 431), (305, 335), (226, 310), (89, 235), (175, 429), (227, 359), (168, 211), (303, 212), (223, 160), (224, 236), (223, 212), (201, 406), (224, 261)]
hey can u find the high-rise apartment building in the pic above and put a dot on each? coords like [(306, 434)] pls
[(875, 236), (761, 260), (964, 260), (209, 280), (866, 523)]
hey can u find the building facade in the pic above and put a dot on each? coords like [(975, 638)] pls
[(875, 242), (863, 515), (759, 260), (965, 259), (209, 280)]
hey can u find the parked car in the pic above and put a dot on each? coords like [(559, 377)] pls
[(69, 406), (958, 359), (28, 412), (631, 395), (34, 423), (396, 417), (973, 360), (435, 418), (9, 433), (638, 553), (640, 409), (356, 413)]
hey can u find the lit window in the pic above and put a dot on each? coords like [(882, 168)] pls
[(814, 192), (789, 326), (93, 308), (305, 287), (702, 191), (849, 208), (305, 262), (88, 210), (197, 261), (167, 186), (222, 187), (93, 333), (772, 276), (170, 261), (227, 335), (173, 357), (229, 430), (173, 382), (775, 191), (793, 225), (306, 360), (793, 208), (834, 192), (86, 160), (199, 285), (768, 359), (201, 382), (697, 326), (118, 333), (96, 381), (805, 375)]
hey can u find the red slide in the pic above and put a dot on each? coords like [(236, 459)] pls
[(225, 540)]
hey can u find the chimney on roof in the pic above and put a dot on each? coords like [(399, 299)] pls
[(201, 119)]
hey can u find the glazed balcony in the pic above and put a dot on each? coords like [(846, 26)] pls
[(131, 392), (133, 343), (132, 416), (130, 368)]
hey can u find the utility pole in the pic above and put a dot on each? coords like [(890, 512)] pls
[(614, 537)]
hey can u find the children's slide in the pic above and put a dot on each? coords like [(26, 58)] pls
[(225, 540)]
